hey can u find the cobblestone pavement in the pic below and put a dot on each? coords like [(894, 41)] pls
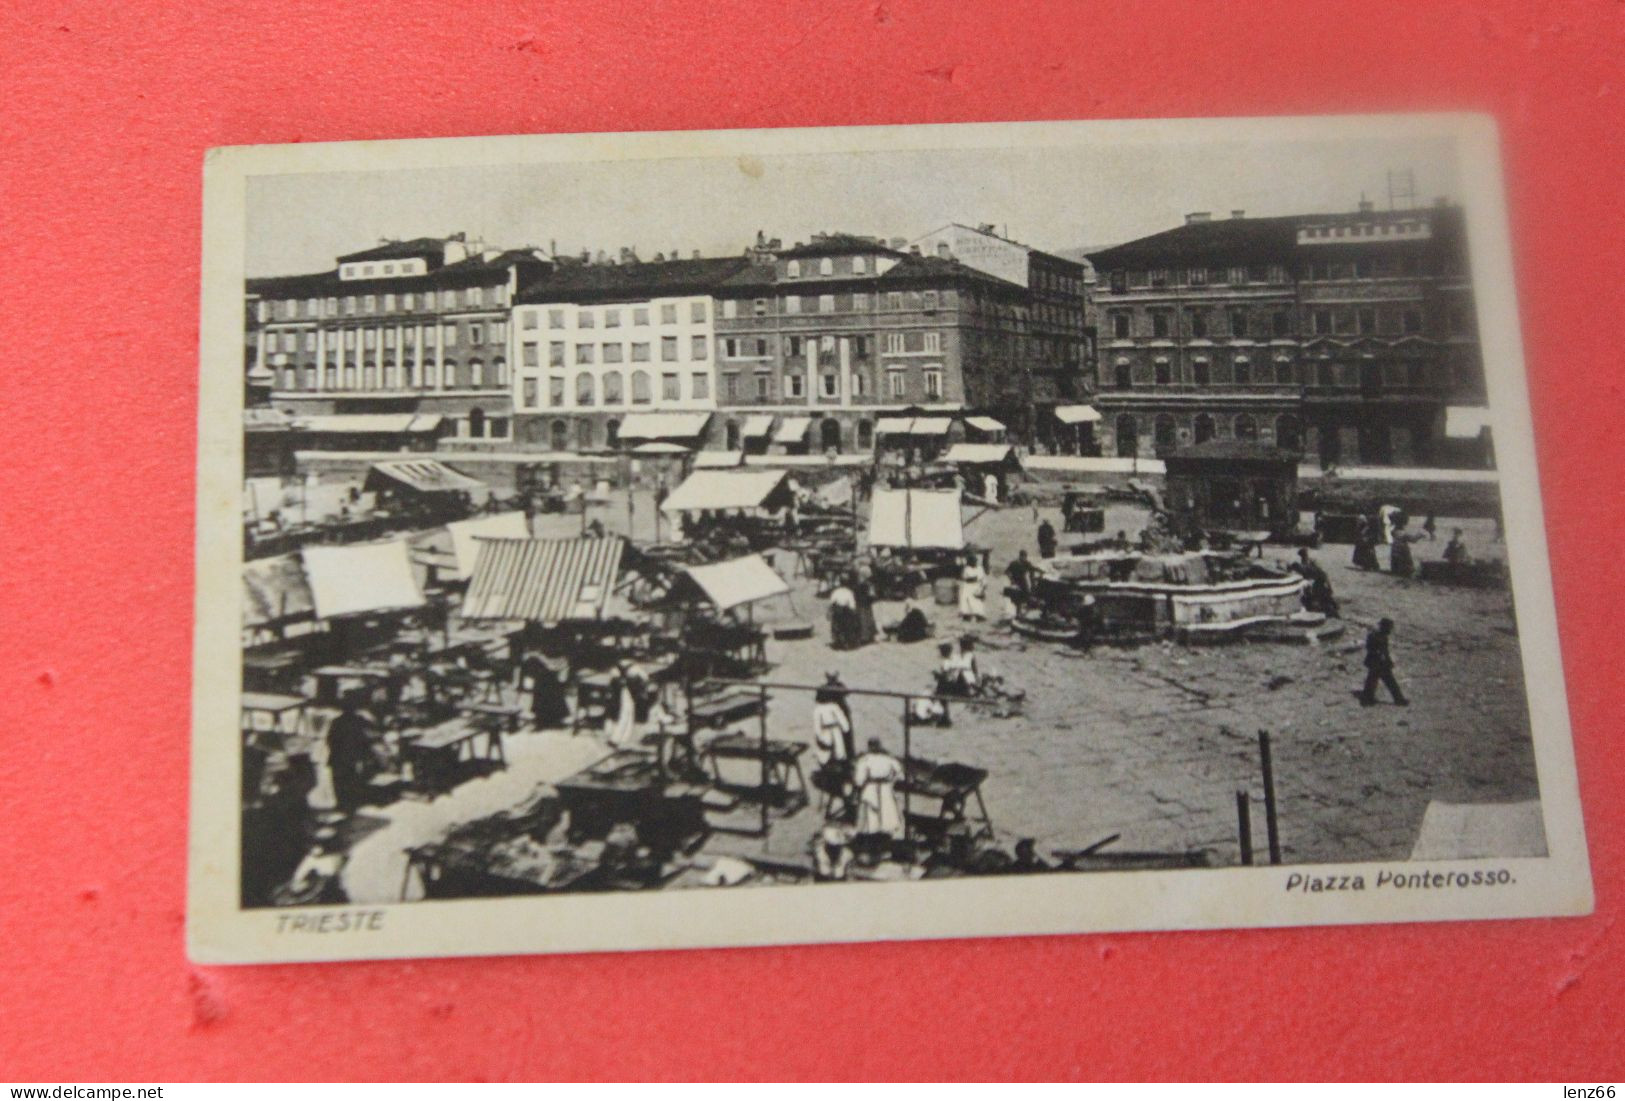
[(1153, 742)]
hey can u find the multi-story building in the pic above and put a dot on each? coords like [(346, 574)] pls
[(596, 343), (828, 335), (1344, 336), (408, 327), (1056, 342)]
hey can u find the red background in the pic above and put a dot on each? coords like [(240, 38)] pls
[(107, 109)]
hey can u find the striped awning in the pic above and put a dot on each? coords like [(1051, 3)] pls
[(423, 475), (543, 580)]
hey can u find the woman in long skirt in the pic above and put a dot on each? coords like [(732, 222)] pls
[(972, 586)]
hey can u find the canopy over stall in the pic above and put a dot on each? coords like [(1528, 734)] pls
[(422, 475), (543, 581), (730, 489), (793, 430), (275, 589), (466, 536), (1076, 414), (756, 425), (732, 584), (985, 424), (1465, 422), (673, 427), (364, 577), (661, 447), (982, 454), (917, 519)]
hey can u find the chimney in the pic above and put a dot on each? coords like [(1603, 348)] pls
[(696, 254), (660, 258), (1238, 214), (1366, 206), (914, 250), (1198, 216), (898, 243)]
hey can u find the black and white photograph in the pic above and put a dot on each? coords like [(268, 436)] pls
[(640, 541)]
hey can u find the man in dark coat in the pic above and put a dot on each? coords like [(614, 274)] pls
[(350, 758), (1046, 539), (547, 704), (1379, 665)]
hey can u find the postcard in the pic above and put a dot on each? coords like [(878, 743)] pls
[(636, 541)]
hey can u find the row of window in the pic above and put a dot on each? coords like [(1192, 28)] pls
[(911, 342), (609, 389), (900, 383), (1241, 372), (294, 340), (1161, 324), (638, 351), (386, 269), (1387, 266), (371, 376), (1205, 427), (839, 303), (292, 309), (848, 265), (611, 317)]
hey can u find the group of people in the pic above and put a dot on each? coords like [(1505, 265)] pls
[(852, 610), (861, 786), (1389, 526)]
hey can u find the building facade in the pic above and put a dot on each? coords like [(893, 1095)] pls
[(408, 327), (595, 343), (1056, 340), (829, 335), (1341, 336)]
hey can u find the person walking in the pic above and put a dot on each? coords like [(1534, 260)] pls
[(1046, 539), (876, 775), (1379, 665)]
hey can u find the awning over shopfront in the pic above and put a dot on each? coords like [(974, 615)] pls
[(757, 424), (422, 475), (726, 490), (718, 460), (466, 536), (982, 454), (913, 426), (663, 426), (985, 424), (275, 589), (1076, 414), (916, 519), (367, 577), (1465, 422), (543, 581), (661, 447), (793, 430), (371, 423), (736, 582)]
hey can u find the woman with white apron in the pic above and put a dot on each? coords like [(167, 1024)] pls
[(972, 586)]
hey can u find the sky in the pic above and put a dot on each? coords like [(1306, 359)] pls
[(1053, 198)]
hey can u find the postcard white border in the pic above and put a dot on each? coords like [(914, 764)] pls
[(218, 931)]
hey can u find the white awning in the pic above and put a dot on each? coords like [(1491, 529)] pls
[(1076, 414), (466, 536), (757, 424), (1465, 422), (985, 424), (930, 426), (338, 423), (663, 426), (979, 453), (893, 426), (716, 460), (729, 489), (367, 577), (738, 581), (793, 430), (916, 518), (660, 447)]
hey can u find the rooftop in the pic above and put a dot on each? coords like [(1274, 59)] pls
[(1262, 240), (611, 282)]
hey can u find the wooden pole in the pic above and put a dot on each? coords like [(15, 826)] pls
[(1271, 827), (908, 738), (1244, 826), (762, 749)]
